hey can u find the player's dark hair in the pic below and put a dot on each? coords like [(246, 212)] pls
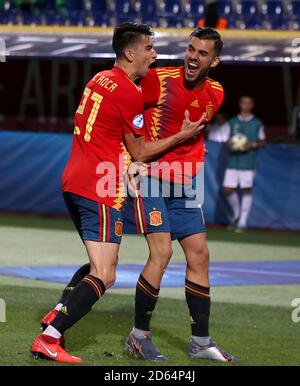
[(208, 33), (127, 34)]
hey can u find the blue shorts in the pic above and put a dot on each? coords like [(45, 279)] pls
[(94, 221), (175, 210)]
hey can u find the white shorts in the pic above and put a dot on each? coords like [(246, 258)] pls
[(242, 178)]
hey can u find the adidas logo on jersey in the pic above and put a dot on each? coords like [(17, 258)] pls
[(195, 103)]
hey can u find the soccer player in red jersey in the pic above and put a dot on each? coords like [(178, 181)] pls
[(167, 93), (108, 123)]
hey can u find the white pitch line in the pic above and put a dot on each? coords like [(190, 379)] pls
[(162, 44), (41, 39), (261, 272), (244, 270), (182, 44), (166, 56), (103, 44), (19, 47), (103, 56), (79, 40), (68, 49)]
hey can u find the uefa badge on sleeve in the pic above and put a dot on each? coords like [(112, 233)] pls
[(138, 121)]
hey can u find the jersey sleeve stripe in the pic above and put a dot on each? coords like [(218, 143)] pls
[(218, 88)]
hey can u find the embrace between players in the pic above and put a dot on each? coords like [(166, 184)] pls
[(159, 119)]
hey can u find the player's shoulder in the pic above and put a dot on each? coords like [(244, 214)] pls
[(158, 74), (215, 86), (124, 87), (105, 74), (173, 72)]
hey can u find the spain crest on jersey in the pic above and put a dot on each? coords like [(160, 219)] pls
[(209, 111), (155, 218), (118, 228)]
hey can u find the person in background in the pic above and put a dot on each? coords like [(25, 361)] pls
[(211, 17), (247, 135)]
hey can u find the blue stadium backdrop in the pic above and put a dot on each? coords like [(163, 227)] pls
[(32, 163)]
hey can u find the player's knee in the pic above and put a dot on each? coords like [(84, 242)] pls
[(110, 281), (161, 256), (199, 259), (164, 254), (163, 264), (167, 253)]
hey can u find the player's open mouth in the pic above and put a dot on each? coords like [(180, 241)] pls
[(151, 65), (192, 68)]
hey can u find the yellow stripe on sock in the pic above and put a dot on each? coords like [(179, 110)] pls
[(93, 285), (147, 290), (197, 292)]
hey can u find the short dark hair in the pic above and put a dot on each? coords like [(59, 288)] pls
[(126, 34), (208, 33)]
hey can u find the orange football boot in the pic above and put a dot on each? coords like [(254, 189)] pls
[(41, 349)]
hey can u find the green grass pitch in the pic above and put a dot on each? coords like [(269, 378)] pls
[(257, 335), (252, 322)]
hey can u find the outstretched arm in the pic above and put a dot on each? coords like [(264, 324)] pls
[(147, 151)]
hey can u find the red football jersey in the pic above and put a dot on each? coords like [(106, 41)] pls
[(111, 106), (166, 99)]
